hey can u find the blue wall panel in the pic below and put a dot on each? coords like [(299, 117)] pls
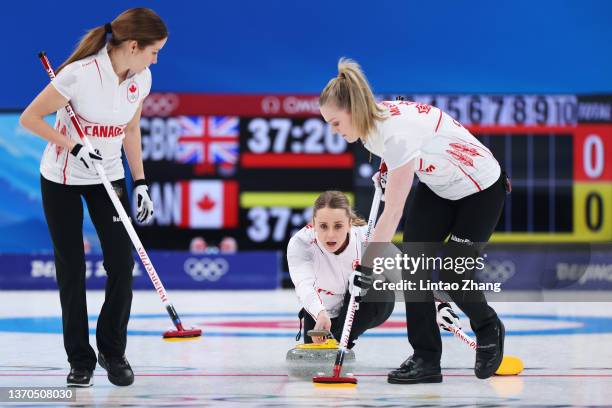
[(283, 46)]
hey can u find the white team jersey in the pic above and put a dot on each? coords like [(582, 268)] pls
[(321, 277), (104, 108), (449, 159)]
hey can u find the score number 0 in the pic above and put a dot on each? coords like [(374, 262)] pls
[(594, 197)]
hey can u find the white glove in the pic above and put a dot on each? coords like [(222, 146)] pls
[(380, 179), (144, 204), (446, 316), (85, 156)]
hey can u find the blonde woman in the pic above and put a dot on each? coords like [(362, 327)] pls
[(460, 195), (322, 257)]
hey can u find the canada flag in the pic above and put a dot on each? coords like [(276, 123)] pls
[(208, 204), (132, 92)]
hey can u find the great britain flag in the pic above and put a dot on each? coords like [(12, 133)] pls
[(209, 143)]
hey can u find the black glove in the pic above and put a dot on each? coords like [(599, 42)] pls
[(446, 317), (360, 282), (380, 178)]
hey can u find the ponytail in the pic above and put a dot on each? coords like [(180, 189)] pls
[(90, 44), (351, 92), (140, 24)]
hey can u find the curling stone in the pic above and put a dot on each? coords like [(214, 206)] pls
[(308, 360)]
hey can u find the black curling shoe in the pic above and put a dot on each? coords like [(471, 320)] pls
[(118, 369), (415, 370), (490, 350), (80, 377)]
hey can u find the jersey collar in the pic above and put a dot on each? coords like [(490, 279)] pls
[(108, 66)]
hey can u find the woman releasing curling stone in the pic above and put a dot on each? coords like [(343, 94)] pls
[(461, 195), (322, 257), (105, 79)]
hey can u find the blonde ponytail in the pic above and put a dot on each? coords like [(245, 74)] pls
[(351, 92)]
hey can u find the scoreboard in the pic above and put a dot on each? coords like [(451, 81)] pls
[(246, 166), (250, 166), (557, 151)]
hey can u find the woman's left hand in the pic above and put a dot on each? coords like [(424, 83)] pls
[(144, 204)]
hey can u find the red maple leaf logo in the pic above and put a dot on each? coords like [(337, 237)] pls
[(465, 149), (423, 108), (206, 204), (132, 88), (462, 158)]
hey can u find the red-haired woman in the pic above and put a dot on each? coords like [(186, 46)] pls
[(105, 79)]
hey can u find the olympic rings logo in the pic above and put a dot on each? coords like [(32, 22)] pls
[(498, 271), (270, 104), (160, 104), (206, 268)]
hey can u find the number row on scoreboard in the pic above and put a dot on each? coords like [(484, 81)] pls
[(507, 110)]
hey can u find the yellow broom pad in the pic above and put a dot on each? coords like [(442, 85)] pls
[(510, 365)]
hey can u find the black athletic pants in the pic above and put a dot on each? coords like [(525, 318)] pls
[(64, 213), (370, 315), (469, 220)]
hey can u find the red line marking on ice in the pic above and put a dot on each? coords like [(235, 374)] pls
[(284, 324), (286, 375), (520, 375), (21, 374)]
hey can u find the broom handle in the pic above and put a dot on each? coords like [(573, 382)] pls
[(352, 306), (142, 253)]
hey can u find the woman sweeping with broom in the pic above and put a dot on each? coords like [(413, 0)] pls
[(461, 196)]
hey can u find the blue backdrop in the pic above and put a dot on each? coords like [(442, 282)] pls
[(237, 46)]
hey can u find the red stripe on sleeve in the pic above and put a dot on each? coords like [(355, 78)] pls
[(470, 177), (439, 120), (99, 73)]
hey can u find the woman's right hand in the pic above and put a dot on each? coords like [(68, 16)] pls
[(323, 323)]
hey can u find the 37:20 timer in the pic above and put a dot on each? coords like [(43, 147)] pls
[(292, 135), (276, 224)]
